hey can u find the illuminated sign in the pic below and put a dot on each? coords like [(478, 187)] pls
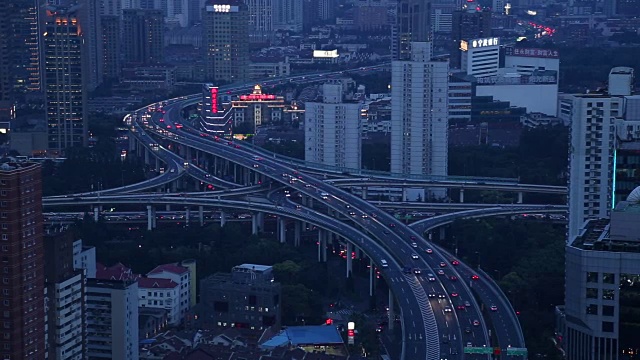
[(221, 8), (325, 53), (214, 100), (480, 43), (351, 332), (257, 97), (464, 45), (518, 80), (532, 52)]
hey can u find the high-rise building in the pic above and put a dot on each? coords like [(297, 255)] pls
[(66, 316), (332, 130), (110, 46), (226, 40), (21, 31), (143, 36), (6, 103), (469, 23), (602, 268), (413, 24), (287, 15), (112, 319), (260, 20), (23, 287), (419, 114), (480, 57), (65, 91), (89, 18), (213, 118)]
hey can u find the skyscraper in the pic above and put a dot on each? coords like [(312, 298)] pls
[(65, 91), (287, 15), (225, 38), (143, 36), (419, 114), (332, 130), (413, 24), (23, 331), (89, 18), (110, 46), (260, 20), (470, 23)]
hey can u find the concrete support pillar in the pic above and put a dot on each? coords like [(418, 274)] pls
[(310, 202), (174, 186), (146, 156), (296, 233), (520, 197), (442, 233), (404, 194), (370, 277), (167, 207), (201, 215), (188, 154), (282, 228), (392, 315), (327, 234), (154, 218), (254, 224), (223, 218), (320, 237), (157, 165), (235, 172), (461, 195), (256, 178), (149, 217), (260, 221), (349, 259), (96, 213), (358, 252), (187, 215), (364, 193)]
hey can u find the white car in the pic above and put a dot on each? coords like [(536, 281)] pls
[(415, 256)]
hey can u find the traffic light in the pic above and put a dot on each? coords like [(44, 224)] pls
[(328, 321)]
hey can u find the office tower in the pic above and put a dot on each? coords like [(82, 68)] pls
[(332, 130), (470, 23), (66, 316), (23, 333), (177, 12), (111, 8), (89, 19), (226, 40), (110, 46), (6, 103), (602, 269), (65, 92), (309, 14), (413, 24), (112, 319), (480, 57), (498, 6), (419, 114), (288, 15), (143, 36), (21, 31), (260, 20), (327, 10)]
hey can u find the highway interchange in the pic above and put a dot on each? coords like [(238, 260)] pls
[(436, 323)]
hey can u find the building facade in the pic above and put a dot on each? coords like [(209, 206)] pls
[(143, 39), (64, 81), (245, 298), (214, 120), (260, 20), (287, 15), (226, 40), (21, 234), (110, 37), (160, 294), (332, 130), (257, 109), (412, 24), (469, 23), (65, 287), (112, 319), (182, 277), (419, 114), (480, 57)]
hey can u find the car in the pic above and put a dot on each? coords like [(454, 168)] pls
[(469, 344), (284, 175), (467, 304), (476, 323), (412, 237), (475, 277), (307, 185), (494, 308), (298, 207), (441, 296), (429, 251), (256, 165), (352, 213), (443, 264), (460, 307), (455, 262), (168, 126), (431, 277), (440, 272), (257, 158), (414, 245), (417, 271), (467, 330), (432, 295), (172, 170), (454, 294), (386, 232), (447, 309), (237, 146), (348, 206), (415, 256), (365, 216), (453, 278), (392, 225), (230, 143)]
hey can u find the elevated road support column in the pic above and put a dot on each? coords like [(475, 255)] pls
[(223, 218), (320, 241), (370, 277), (327, 235), (149, 218), (364, 193), (282, 228), (461, 195), (391, 314), (442, 233), (157, 164), (297, 227), (187, 215), (520, 197), (254, 224), (146, 156), (261, 221), (349, 259), (201, 215), (96, 213)]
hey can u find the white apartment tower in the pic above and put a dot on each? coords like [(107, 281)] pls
[(419, 113), (260, 19), (332, 130), (287, 15)]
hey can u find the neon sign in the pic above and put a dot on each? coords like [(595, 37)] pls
[(257, 97), (479, 43), (214, 100)]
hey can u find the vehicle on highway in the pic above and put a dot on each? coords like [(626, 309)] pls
[(475, 277), (324, 195), (429, 251), (494, 308), (172, 170), (447, 309), (431, 277), (441, 296), (453, 278), (440, 272), (443, 264), (455, 262), (467, 304), (415, 256), (454, 294), (467, 330), (476, 323), (417, 271), (352, 213), (384, 264), (414, 245), (432, 295), (461, 307)]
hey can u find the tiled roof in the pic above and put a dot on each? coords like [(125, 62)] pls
[(115, 272), (151, 283), (172, 268)]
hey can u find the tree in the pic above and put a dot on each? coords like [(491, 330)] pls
[(287, 272)]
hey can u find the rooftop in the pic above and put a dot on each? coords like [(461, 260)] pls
[(252, 267), (151, 283), (116, 272), (305, 335), (171, 268)]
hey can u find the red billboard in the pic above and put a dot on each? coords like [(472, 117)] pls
[(214, 100)]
